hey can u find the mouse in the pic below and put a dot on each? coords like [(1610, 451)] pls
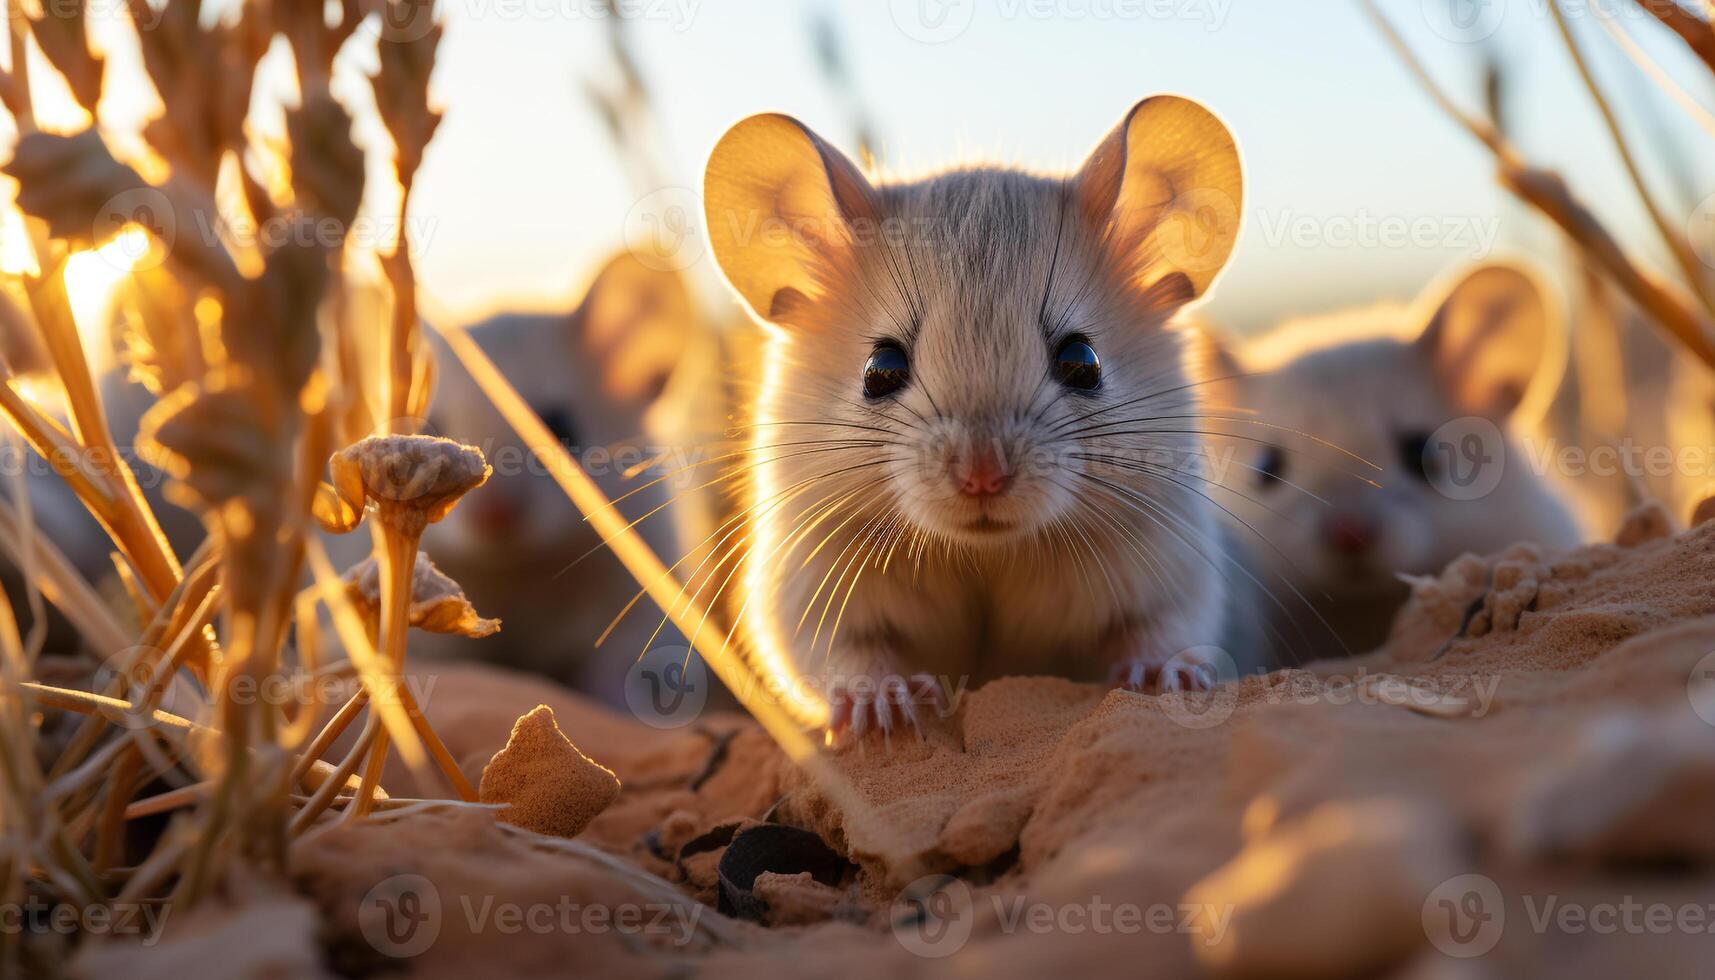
[(971, 451), (1389, 445), (606, 379)]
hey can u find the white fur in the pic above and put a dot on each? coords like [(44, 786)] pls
[(864, 560), (1334, 409)]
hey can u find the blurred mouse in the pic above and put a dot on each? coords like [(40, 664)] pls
[(1379, 445), (608, 379)]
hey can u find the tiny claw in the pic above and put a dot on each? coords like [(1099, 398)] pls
[(885, 705), (1144, 677)]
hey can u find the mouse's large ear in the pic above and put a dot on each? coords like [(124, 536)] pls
[(1488, 337), (635, 324), (1166, 190), (781, 205)]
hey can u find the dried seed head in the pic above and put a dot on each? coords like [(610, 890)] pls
[(327, 167), (211, 443), (204, 77), (68, 181), (315, 42), (414, 480), (402, 87), (62, 31), (438, 605)]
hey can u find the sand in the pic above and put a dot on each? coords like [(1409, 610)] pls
[(1533, 747), (545, 784)]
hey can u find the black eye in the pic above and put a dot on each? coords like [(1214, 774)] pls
[(1414, 455), (1077, 366), (1271, 469), (559, 423), (886, 372)]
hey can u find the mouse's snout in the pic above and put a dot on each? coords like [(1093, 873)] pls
[(982, 471), (1350, 534), (981, 482)]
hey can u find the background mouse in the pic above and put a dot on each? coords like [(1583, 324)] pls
[(1376, 387), (969, 442), (609, 380)]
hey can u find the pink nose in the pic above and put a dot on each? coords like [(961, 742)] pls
[(1349, 534), (985, 475)]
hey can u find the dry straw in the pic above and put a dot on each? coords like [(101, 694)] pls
[(1684, 311), (272, 429)]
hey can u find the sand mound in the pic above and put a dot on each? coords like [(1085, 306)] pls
[(1534, 738), (548, 786)]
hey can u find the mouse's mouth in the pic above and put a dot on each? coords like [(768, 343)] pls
[(989, 525)]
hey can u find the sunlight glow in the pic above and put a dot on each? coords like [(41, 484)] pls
[(767, 649), (16, 256), (91, 277)]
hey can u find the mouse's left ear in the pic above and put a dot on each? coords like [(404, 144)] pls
[(1166, 191), (782, 208), (1488, 338)]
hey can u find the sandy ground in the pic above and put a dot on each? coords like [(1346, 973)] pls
[(1522, 782)]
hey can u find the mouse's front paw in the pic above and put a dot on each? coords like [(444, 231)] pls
[(1196, 669), (864, 703)]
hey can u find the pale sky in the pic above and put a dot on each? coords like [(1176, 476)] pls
[(1358, 189)]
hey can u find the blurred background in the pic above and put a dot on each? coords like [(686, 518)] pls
[(1359, 188)]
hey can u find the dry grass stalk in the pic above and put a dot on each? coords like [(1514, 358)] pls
[(245, 426), (1544, 190), (401, 88), (688, 614), (1675, 242)]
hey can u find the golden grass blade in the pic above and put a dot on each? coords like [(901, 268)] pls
[(63, 587), (1693, 108), (1549, 194), (377, 677), (1675, 242), (648, 569)]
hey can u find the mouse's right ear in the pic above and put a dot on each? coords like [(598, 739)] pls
[(1165, 189), (781, 204)]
